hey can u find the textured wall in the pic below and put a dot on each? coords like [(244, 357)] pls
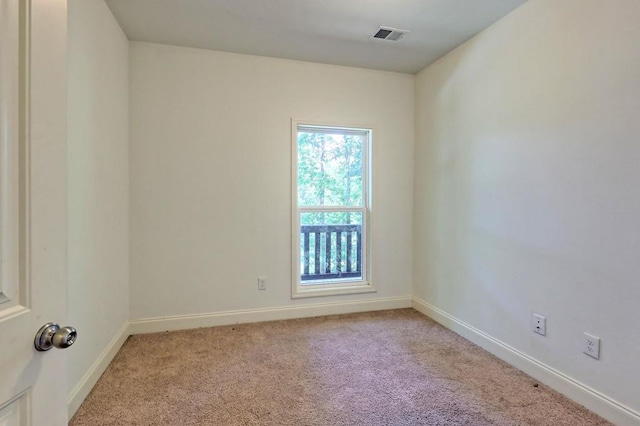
[(211, 175), (526, 186), (98, 180)]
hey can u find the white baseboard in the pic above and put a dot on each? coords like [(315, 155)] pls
[(88, 381), (183, 322), (573, 389)]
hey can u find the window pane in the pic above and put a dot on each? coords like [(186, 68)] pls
[(330, 169), (330, 246)]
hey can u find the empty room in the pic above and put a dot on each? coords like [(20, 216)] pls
[(299, 212)]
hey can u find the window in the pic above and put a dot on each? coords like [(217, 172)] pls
[(331, 190)]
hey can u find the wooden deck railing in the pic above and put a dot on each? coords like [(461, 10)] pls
[(331, 251)]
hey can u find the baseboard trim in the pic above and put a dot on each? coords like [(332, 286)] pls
[(595, 401), (183, 322), (88, 381)]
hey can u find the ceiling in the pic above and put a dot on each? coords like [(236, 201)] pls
[(327, 31)]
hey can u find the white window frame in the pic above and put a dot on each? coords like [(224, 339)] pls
[(344, 285)]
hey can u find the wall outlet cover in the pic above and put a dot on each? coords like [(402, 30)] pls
[(262, 283), (539, 324), (591, 346)]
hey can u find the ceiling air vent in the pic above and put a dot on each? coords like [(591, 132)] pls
[(392, 34)]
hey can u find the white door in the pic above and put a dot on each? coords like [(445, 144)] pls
[(33, 200)]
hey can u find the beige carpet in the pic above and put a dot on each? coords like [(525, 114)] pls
[(382, 368)]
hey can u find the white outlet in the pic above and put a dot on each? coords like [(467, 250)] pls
[(539, 324), (591, 346), (262, 283)]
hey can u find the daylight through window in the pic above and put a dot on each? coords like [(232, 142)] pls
[(331, 207)]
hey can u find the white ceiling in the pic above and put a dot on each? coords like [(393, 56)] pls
[(328, 31)]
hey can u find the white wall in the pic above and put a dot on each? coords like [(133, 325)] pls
[(98, 174), (527, 174), (211, 167)]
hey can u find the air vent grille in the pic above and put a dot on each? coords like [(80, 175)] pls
[(391, 34)]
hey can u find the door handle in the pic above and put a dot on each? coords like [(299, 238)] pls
[(51, 335)]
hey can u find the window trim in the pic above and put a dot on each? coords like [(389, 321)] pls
[(344, 286)]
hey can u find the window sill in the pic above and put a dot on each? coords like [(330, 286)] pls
[(331, 290)]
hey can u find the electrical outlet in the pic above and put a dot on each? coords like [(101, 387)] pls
[(591, 346), (262, 283), (539, 324)]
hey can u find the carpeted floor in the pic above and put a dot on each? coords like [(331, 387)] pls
[(380, 368)]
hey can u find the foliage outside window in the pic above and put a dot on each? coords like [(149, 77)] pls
[(331, 207)]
